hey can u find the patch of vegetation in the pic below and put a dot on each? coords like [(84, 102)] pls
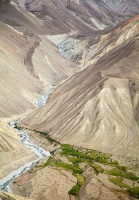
[(74, 190), (49, 162), (134, 192), (75, 160), (18, 127), (91, 151), (113, 163), (131, 176), (106, 171), (66, 146), (116, 172), (97, 155), (59, 164), (71, 151), (88, 155), (118, 181), (105, 161), (97, 168), (123, 168), (80, 178), (46, 135), (92, 158)]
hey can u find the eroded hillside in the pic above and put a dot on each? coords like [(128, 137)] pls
[(97, 107), (89, 50), (27, 56)]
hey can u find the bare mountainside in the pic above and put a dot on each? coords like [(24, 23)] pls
[(88, 49), (27, 55), (26, 60), (97, 107), (30, 63)]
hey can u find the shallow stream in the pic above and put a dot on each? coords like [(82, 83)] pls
[(39, 151)]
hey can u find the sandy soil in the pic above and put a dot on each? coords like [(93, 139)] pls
[(98, 187), (8, 196), (45, 184)]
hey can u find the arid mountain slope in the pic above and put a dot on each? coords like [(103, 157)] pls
[(27, 67), (68, 23), (94, 108), (89, 49), (27, 55), (82, 16), (125, 7)]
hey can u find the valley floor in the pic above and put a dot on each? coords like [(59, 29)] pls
[(77, 173)]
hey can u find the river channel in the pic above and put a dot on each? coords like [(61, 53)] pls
[(39, 151)]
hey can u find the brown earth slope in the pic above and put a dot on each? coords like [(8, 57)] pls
[(97, 107), (27, 55), (26, 59)]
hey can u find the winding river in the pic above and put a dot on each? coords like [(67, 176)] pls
[(6, 181), (39, 151)]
